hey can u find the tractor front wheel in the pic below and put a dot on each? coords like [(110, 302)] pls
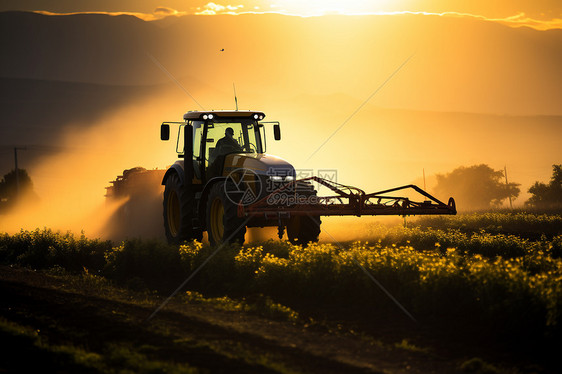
[(178, 212), (223, 223)]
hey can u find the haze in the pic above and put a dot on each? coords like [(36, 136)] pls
[(472, 91)]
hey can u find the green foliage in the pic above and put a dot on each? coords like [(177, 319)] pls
[(123, 359), (261, 305), (547, 195), (43, 249), (145, 263), (455, 275), (482, 243), (476, 187), (216, 276), (521, 224), (478, 366), (26, 343)]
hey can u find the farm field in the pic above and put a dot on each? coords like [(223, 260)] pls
[(474, 293), (128, 125)]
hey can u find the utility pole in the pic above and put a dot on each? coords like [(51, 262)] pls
[(507, 185), (17, 170)]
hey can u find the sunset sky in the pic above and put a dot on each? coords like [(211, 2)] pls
[(540, 14), (382, 91)]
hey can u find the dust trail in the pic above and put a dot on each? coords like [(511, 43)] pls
[(71, 184)]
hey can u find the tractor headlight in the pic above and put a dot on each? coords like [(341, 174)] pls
[(279, 178)]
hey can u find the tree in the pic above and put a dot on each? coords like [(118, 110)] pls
[(476, 187), (547, 195), (13, 189)]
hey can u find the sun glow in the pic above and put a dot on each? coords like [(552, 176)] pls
[(325, 7)]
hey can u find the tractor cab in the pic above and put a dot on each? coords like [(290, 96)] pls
[(222, 163), (216, 137)]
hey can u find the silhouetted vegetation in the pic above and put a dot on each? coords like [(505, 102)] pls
[(43, 249), (15, 188), (547, 196), (524, 225), (496, 282), (476, 187)]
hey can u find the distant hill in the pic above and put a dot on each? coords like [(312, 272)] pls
[(60, 72), (35, 112), (80, 48), (458, 64), (378, 148)]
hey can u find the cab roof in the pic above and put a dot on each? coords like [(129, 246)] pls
[(196, 114)]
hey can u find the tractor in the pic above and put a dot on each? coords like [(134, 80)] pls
[(224, 181)]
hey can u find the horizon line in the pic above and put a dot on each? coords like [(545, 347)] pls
[(515, 21)]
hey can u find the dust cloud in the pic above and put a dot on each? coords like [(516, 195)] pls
[(378, 149), (71, 184)]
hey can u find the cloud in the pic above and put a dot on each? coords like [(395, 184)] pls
[(158, 13), (518, 20), (522, 20), (211, 9), (165, 11)]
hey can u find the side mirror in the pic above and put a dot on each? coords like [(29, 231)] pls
[(277, 132), (165, 132)]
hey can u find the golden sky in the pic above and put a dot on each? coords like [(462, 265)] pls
[(538, 14), (471, 93)]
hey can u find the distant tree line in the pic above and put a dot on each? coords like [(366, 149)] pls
[(15, 188), (547, 196), (479, 187)]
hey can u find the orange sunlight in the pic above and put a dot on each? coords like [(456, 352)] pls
[(472, 92), (71, 185), (324, 7)]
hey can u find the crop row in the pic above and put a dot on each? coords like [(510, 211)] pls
[(522, 224), (483, 243), (520, 295)]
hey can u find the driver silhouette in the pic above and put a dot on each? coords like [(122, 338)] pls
[(227, 144)]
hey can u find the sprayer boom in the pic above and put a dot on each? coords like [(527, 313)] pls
[(348, 201)]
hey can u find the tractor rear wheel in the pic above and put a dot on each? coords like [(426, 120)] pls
[(223, 223), (305, 229), (178, 212)]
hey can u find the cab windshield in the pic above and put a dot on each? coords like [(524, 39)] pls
[(226, 136)]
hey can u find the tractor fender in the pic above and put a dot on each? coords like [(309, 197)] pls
[(205, 194), (175, 168)]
